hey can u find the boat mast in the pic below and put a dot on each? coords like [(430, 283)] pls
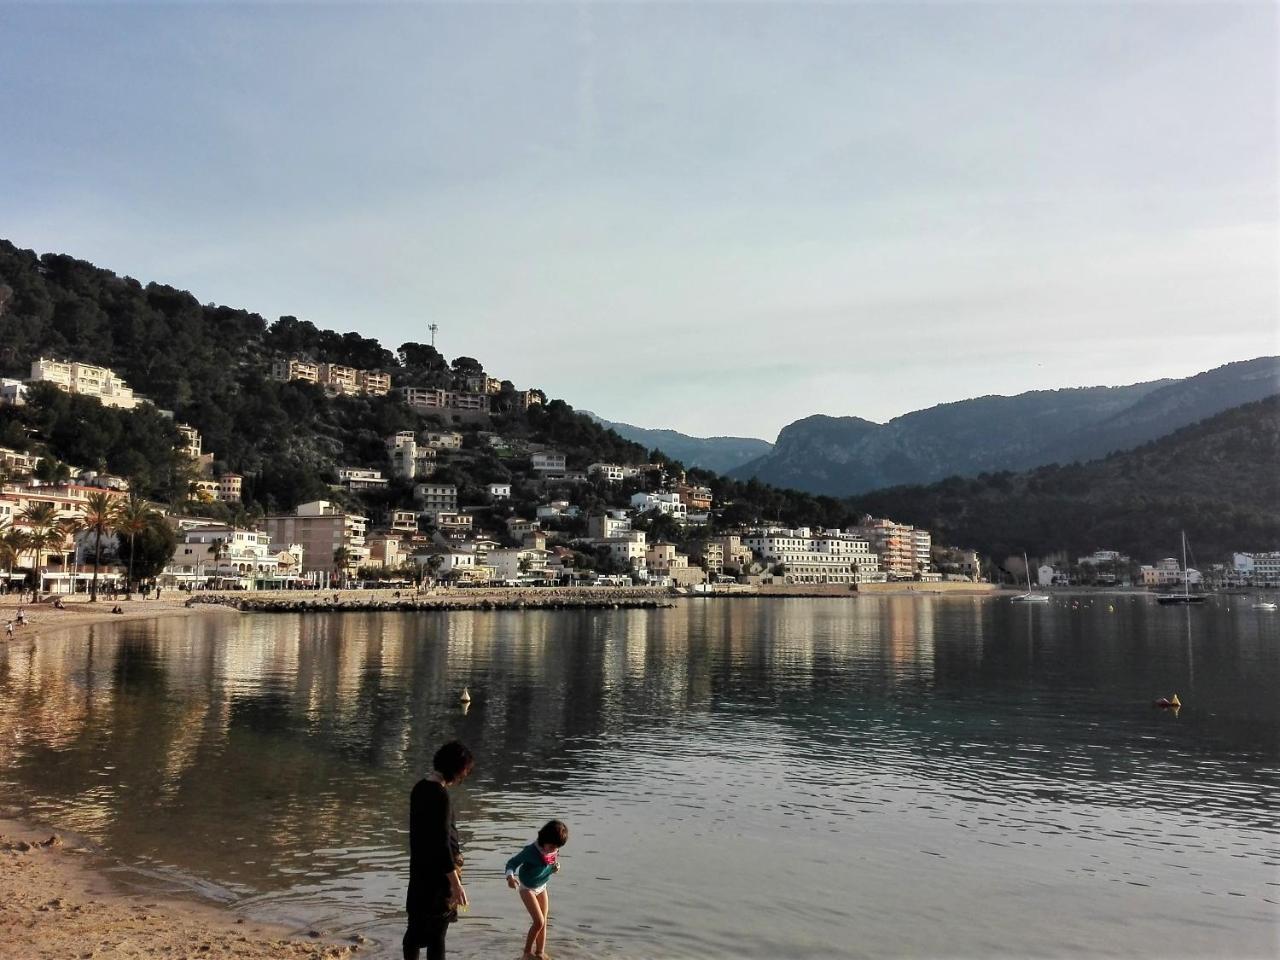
[(1186, 574)]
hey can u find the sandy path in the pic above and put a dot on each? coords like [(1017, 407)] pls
[(57, 905)]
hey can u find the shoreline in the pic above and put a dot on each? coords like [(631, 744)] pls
[(44, 618), (61, 901)]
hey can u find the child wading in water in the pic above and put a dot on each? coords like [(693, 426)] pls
[(528, 871)]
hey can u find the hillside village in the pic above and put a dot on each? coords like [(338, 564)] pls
[(459, 500)]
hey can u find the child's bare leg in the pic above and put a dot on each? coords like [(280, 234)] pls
[(544, 901), (539, 925)]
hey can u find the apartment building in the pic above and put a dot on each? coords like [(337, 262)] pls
[(613, 524), (710, 556), (734, 553), (528, 398), (295, 369), (361, 478), (336, 378), (499, 491), (403, 521), (547, 462), (483, 384), (455, 526), (373, 383), (817, 556), (385, 550), (321, 528), (436, 497), (230, 488), (451, 401), (903, 551), (86, 380)]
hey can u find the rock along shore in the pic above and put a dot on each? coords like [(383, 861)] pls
[(363, 601)]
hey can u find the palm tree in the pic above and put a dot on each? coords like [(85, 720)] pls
[(133, 517), (99, 517), (45, 532), (341, 561), (13, 544)]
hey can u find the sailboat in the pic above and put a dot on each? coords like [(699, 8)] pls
[(1186, 596), (1029, 597)]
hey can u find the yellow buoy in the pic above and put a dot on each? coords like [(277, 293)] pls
[(466, 696), (1175, 702)]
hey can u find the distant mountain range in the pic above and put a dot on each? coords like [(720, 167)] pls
[(1216, 479), (841, 456), (718, 454)]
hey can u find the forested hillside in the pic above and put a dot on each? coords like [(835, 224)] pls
[(209, 365), (1218, 479), (848, 455)]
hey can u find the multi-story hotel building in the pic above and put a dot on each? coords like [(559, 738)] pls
[(85, 379), (817, 556), (322, 527)]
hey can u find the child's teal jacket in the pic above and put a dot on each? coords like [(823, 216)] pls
[(529, 867)]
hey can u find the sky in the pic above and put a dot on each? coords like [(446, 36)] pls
[(713, 217)]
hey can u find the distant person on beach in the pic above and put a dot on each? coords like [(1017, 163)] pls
[(529, 871), (435, 854)]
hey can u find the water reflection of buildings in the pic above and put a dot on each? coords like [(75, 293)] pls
[(305, 730)]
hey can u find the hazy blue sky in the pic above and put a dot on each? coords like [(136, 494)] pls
[(714, 217)]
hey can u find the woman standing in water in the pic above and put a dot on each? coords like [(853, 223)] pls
[(435, 886)]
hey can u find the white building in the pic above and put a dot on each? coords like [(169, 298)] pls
[(85, 379), (12, 392), (611, 472), (361, 478), (519, 563), (613, 524), (817, 556), (1257, 569), (500, 491), (556, 509), (217, 552), (665, 503), (410, 459)]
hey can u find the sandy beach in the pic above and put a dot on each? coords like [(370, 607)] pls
[(60, 902), (79, 612)]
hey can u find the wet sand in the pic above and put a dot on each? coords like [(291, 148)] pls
[(60, 902)]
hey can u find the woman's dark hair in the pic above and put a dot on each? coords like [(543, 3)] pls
[(453, 761), (555, 833)]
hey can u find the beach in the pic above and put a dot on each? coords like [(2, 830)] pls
[(60, 900)]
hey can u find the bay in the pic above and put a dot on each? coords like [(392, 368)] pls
[(872, 776)]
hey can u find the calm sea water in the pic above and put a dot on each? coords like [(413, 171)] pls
[(919, 776)]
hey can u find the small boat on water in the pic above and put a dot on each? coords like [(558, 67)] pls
[(1264, 605), (1029, 597), (1186, 596)]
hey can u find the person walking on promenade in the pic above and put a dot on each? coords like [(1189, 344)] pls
[(435, 854), (529, 871)]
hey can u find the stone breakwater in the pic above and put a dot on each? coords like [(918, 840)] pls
[(349, 602)]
